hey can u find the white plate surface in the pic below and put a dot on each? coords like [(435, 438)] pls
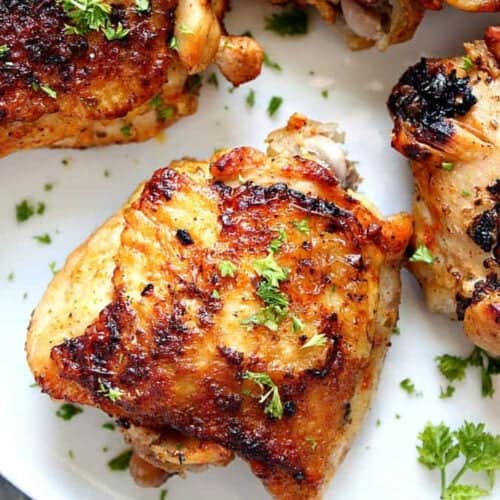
[(382, 463)]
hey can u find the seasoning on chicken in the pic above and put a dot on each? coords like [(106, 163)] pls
[(446, 114), (246, 302), (79, 74)]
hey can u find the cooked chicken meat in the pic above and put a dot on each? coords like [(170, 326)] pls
[(66, 80), (370, 22), (446, 114), (245, 302)]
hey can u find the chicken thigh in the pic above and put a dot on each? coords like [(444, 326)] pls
[(446, 116)]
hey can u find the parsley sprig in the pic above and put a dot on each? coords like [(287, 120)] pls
[(454, 368), (274, 407), (480, 452)]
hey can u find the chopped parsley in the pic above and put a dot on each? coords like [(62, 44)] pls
[(301, 226), (10, 277), (71, 454), (317, 340), (274, 105), (40, 208), (142, 6), (250, 99), (4, 49), (478, 449), (227, 269), (271, 64), (274, 407), (396, 331), (184, 29), (270, 270), (156, 101), (110, 426), (213, 80), (126, 130), (290, 22), (67, 411), (312, 442), (465, 193), (408, 386), (163, 494), (447, 165), (422, 254), (91, 15), (49, 91), (324, 93), (44, 239), (24, 211), (467, 63), (215, 294), (453, 368), (297, 325), (48, 186), (276, 243), (112, 393), (164, 113), (121, 461), (446, 393), (174, 44), (53, 267), (276, 302)]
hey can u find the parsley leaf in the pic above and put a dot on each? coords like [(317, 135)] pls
[(250, 99), (277, 242), (274, 105), (446, 393), (112, 393), (142, 6), (274, 407), (301, 226), (110, 426), (270, 317), (49, 91), (467, 63), (67, 411), (126, 130), (213, 80), (115, 33), (271, 64), (121, 461), (288, 23), (270, 270), (227, 269), (317, 340), (43, 238), (422, 254), (4, 49), (454, 368), (24, 211), (408, 386), (447, 165), (297, 325)]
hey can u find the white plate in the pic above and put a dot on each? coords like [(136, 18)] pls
[(382, 463)]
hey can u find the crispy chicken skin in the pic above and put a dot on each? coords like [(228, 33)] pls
[(134, 311), (103, 88), (446, 123)]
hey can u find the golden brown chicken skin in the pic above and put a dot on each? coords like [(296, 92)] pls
[(89, 88), (246, 268), (446, 114)]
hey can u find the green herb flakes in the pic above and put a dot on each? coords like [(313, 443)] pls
[(213, 80), (4, 50), (227, 269), (409, 387), (110, 426), (312, 442), (467, 63), (422, 254), (67, 411), (142, 6), (447, 165), (24, 211), (274, 407), (317, 340), (274, 104), (120, 462), (44, 239), (163, 494), (250, 99), (297, 325), (126, 130), (290, 22), (302, 226), (446, 393), (271, 64), (112, 393)]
